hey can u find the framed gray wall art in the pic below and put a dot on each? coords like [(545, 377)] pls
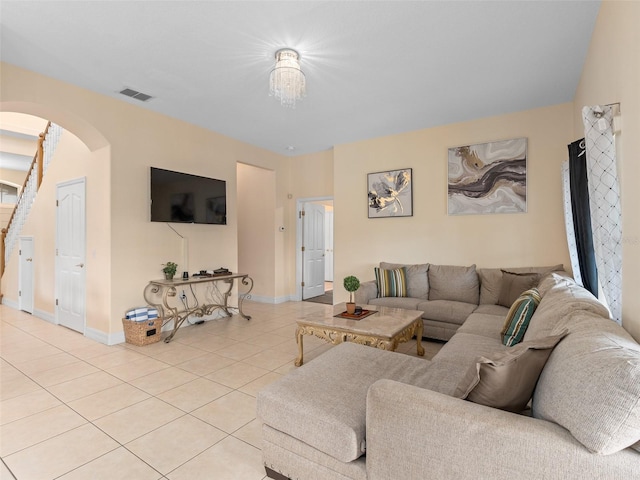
[(390, 194), (488, 178)]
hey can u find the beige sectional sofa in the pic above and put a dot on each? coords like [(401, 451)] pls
[(447, 294), (357, 412)]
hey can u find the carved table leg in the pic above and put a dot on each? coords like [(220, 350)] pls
[(245, 281), (299, 335), (419, 331)]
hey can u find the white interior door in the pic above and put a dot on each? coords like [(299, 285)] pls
[(25, 274), (70, 259), (328, 245), (313, 255)]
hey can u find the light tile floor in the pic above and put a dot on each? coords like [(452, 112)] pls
[(71, 408)]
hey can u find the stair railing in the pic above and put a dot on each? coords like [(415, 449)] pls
[(47, 143)]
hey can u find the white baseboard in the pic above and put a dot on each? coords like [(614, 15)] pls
[(270, 300), (46, 316), (103, 337), (41, 314), (10, 303)]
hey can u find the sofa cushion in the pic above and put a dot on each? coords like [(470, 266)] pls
[(451, 282), (506, 379), (591, 384), (391, 283), (491, 280), (407, 303), (446, 310), (337, 382), (560, 297), (513, 284), (519, 316), (464, 348), (498, 310), (484, 324)]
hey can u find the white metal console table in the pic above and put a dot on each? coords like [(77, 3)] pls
[(158, 292)]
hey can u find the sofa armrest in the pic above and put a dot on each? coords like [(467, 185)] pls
[(366, 292), (414, 433)]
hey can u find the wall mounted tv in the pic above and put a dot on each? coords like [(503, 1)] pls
[(184, 198)]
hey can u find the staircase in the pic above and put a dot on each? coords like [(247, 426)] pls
[(47, 143)]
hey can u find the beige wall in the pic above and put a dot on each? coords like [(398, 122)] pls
[(311, 176), (17, 177), (533, 238), (612, 74), (257, 228), (136, 139)]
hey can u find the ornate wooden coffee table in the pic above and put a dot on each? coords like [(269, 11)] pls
[(385, 329)]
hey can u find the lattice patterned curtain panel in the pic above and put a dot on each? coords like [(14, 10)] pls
[(568, 221), (604, 196)]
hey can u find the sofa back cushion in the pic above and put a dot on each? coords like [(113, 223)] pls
[(451, 282), (491, 280), (560, 297), (591, 385), (417, 279)]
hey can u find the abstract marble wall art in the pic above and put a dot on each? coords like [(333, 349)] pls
[(390, 194), (488, 178)]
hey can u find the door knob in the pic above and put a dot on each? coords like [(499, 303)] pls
[(30, 259), (80, 265)]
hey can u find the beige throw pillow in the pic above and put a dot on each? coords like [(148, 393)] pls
[(507, 379)]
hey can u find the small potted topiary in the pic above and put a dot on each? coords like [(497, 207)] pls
[(169, 270), (351, 284)]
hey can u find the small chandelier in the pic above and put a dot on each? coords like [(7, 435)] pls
[(286, 81)]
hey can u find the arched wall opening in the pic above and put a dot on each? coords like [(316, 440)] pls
[(83, 152)]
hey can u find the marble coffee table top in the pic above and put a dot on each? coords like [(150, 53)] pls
[(387, 322)]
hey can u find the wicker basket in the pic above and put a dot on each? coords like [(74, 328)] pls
[(142, 333)]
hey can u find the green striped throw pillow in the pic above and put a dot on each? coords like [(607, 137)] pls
[(391, 283), (519, 317)]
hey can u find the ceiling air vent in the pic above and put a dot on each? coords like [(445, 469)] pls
[(143, 97)]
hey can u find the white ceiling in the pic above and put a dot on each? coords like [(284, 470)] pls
[(373, 68)]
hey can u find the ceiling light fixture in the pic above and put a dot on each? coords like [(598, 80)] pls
[(287, 82)]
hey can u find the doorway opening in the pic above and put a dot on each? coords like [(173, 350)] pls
[(314, 246)]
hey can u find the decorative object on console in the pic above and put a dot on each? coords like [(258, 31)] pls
[(351, 284), (169, 270), (390, 194), (488, 178)]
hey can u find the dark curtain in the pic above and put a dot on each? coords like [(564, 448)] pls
[(582, 215)]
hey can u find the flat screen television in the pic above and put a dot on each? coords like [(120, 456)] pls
[(184, 198)]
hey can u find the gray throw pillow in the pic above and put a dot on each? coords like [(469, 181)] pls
[(513, 284)]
